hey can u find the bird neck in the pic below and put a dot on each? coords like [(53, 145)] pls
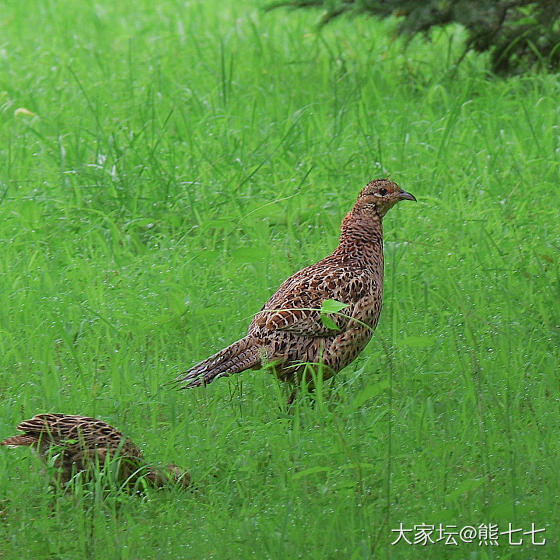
[(362, 227)]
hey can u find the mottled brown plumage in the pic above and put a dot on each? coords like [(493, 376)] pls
[(80, 444), (288, 331)]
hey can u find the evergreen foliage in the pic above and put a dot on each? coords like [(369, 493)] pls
[(518, 34)]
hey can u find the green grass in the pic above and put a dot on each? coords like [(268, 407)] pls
[(183, 160)]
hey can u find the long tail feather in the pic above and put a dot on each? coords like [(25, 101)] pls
[(238, 357), (17, 441)]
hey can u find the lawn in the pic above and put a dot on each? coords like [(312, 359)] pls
[(165, 166)]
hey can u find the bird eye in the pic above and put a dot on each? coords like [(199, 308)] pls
[(382, 192)]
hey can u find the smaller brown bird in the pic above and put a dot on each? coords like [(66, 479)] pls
[(75, 444)]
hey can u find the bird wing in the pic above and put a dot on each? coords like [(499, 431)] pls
[(296, 306), (72, 431), (303, 319)]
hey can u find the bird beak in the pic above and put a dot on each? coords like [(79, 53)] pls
[(403, 195)]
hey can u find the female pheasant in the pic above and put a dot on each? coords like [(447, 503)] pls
[(79, 443), (289, 333)]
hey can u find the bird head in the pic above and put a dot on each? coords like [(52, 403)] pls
[(171, 474), (381, 195), (178, 475)]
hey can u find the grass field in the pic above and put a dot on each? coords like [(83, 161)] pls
[(164, 168)]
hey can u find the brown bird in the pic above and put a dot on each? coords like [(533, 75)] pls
[(289, 332), (75, 444)]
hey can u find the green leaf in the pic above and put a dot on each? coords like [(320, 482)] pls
[(329, 323), (332, 306), (245, 254), (312, 470), (417, 341), (368, 393), (363, 466), (466, 486)]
